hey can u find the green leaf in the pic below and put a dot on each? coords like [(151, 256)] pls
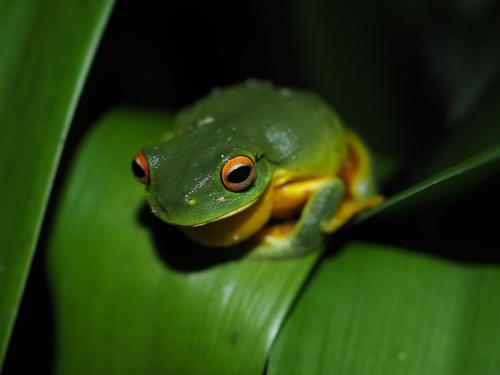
[(469, 156), (477, 131), (45, 55), (444, 185), (380, 310), (132, 295)]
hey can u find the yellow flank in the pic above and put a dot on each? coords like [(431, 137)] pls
[(236, 228), (356, 175), (360, 168), (289, 198)]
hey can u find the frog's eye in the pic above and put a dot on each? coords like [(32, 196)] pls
[(238, 173), (140, 168)]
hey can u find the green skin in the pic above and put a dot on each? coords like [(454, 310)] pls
[(277, 128)]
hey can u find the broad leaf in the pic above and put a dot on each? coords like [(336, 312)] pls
[(373, 309), (45, 52), (132, 295)]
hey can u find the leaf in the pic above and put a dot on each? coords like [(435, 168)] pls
[(469, 157), (442, 185), (46, 52), (374, 309), (477, 131), (132, 295)]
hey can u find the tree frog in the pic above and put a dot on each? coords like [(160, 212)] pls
[(269, 167)]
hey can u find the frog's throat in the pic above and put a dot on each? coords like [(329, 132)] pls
[(236, 226)]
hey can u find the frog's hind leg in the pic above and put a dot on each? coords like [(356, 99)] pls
[(360, 192), (289, 239)]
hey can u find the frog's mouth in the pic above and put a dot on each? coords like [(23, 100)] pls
[(236, 226)]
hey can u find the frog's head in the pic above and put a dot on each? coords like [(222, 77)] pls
[(199, 178)]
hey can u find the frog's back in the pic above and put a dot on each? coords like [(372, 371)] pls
[(297, 131)]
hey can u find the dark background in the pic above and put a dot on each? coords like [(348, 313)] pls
[(413, 69), (164, 55)]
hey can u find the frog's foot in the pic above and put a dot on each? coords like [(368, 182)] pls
[(289, 239), (348, 209)]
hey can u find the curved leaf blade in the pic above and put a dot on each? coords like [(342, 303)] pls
[(465, 175), (468, 157), (46, 52), (478, 130), (381, 310), (124, 304)]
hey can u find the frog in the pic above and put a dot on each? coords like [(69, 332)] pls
[(269, 168)]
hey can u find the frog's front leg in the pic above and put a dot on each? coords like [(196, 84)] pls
[(282, 240)]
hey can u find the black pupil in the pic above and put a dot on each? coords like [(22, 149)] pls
[(239, 174), (137, 169)]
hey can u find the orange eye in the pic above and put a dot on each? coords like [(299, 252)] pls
[(140, 168), (238, 173)]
